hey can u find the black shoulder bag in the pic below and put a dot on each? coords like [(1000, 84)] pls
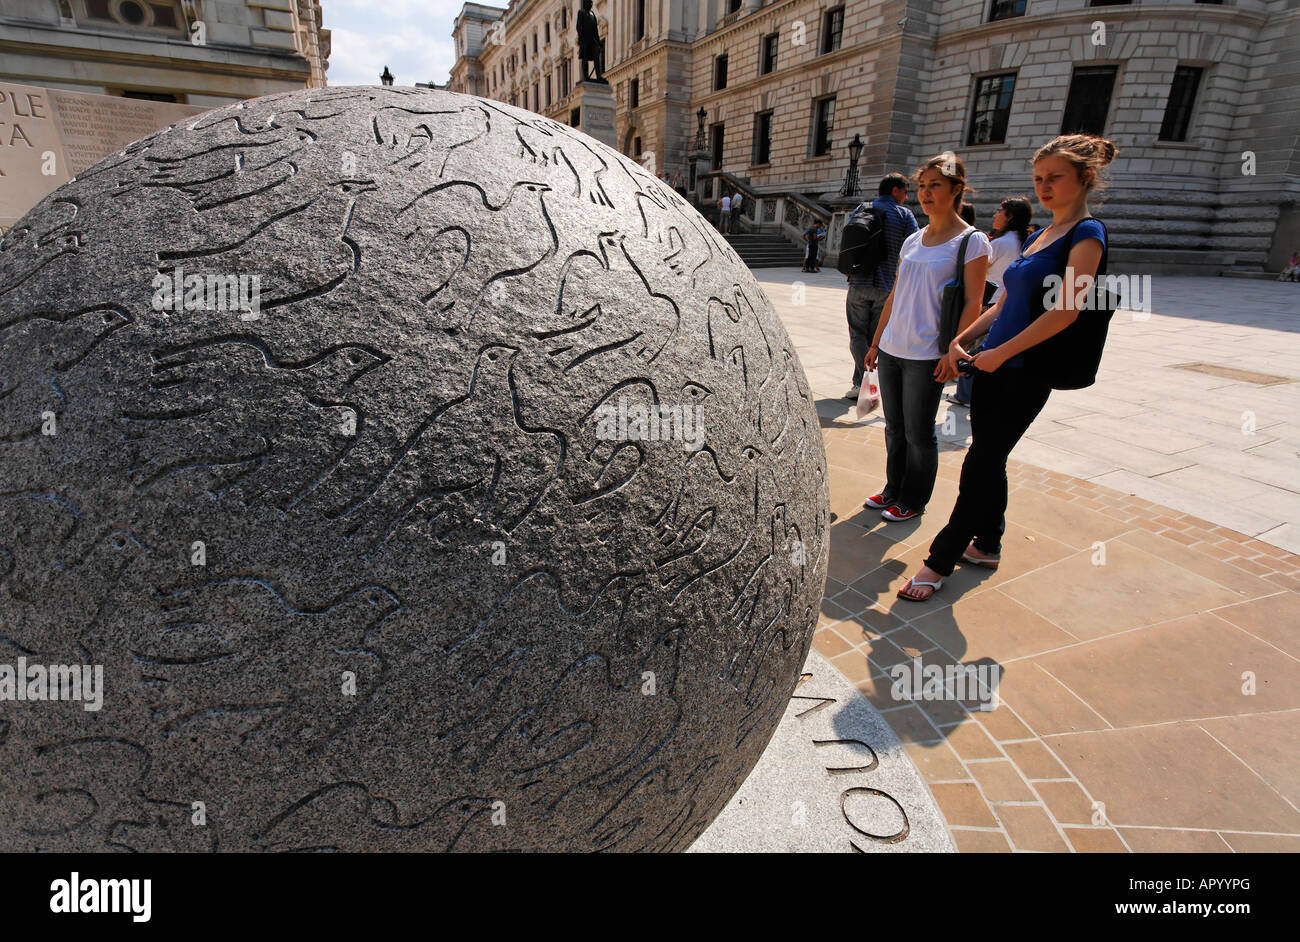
[(1070, 359), (953, 301)]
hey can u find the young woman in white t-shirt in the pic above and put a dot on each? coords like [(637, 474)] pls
[(906, 347)]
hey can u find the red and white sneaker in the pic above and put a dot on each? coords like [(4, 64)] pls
[(878, 502), (896, 513)]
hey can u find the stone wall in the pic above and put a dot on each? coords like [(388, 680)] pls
[(904, 79), (250, 48)]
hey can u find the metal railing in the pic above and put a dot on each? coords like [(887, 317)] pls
[(784, 212)]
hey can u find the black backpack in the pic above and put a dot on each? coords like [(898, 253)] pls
[(1070, 359), (862, 245)]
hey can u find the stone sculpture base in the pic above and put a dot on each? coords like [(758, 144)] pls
[(834, 779), (596, 118)]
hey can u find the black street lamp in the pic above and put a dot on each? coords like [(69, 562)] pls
[(699, 131), (851, 178), (386, 77)]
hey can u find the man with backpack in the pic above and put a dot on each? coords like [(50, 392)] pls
[(873, 235)]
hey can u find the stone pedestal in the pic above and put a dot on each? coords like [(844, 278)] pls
[(596, 101)]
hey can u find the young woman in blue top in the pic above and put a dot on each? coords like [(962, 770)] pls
[(1005, 398)]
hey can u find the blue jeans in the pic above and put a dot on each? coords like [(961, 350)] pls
[(963, 388), (910, 398)]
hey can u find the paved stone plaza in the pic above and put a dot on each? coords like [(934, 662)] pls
[(1149, 579), (1174, 436)]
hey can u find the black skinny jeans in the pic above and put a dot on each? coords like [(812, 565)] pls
[(1004, 404)]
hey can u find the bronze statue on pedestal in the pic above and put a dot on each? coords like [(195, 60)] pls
[(591, 48)]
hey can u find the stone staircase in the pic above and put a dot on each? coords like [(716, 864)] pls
[(759, 250)]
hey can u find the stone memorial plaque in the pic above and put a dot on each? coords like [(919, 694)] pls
[(48, 136)]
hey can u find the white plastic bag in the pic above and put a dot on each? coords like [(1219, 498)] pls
[(869, 394)]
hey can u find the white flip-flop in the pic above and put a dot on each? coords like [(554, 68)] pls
[(914, 582)]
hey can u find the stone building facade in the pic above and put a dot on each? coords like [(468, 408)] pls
[(1202, 98), (197, 52), (524, 54)]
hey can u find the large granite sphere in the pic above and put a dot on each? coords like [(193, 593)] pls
[(420, 473)]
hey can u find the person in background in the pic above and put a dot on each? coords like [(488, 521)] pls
[(724, 213), (1292, 270), (868, 292), (913, 368), (1010, 229), (1007, 397), (736, 199), (967, 213), (812, 236)]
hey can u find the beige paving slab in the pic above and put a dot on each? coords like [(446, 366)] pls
[(1068, 523), (1095, 840), (1199, 673), (970, 741), (848, 489), (1132, 589), (1286, 437), (1059, 408), (1236, 490), (1267, 742), (1218, 436), (1135, 458), (1285, 536), (1002, 724), (1198, 562), (1174, 841), (992, 625), (1001, 781), (1250, 521), (962, 805), (937, 762), (1034, 760), (1274, 618), (1097, 402), (1147, 430), (1068, 803), (980, 842), (1174, 775), (1030, 828), (1211, 411), (1059, 459), (856, 552), (1262, 843), (1045, 704)]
